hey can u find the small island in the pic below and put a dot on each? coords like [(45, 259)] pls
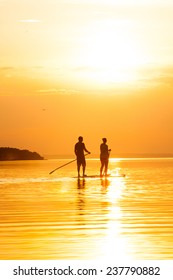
[(7, 154)]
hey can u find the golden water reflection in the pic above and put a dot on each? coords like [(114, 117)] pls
[(117, 218), (105, 218), (113, 244)]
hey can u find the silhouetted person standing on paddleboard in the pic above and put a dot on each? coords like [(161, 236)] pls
[(79, 151), (104, 157)]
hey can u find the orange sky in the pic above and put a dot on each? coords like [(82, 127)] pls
[(99, 68)]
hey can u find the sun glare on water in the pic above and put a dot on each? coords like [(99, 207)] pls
[(114, 246)]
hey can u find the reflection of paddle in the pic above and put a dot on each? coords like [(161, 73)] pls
[(65, 164)]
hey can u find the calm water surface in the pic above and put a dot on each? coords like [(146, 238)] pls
[(56, 216)]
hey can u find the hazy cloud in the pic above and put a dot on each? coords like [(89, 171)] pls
[(57, 91)]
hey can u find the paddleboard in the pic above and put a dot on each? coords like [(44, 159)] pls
[(101, 177)]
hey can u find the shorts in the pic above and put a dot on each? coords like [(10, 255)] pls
[(81, 160), (104, 160)]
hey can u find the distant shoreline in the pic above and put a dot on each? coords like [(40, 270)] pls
[(12, 154)]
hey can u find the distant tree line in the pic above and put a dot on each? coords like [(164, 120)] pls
[(7, 153)]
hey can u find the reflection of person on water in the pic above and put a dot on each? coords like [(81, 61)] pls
[(81, 183), (79, 151), (104, 183), (104, 157)]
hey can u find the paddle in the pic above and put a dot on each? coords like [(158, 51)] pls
[(65, 164)]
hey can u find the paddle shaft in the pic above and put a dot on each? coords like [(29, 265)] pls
[(65, 164)]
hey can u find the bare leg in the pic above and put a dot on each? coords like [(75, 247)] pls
[(101, 169), (106, 167), (78, 170), (84, 167)]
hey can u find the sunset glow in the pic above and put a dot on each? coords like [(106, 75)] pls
[(112, 58), (111, 53), (86, 146)]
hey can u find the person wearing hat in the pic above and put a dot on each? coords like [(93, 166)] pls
[(79, 150), (104, 157)]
